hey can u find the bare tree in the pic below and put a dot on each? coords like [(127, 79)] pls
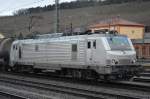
[(32, 21)]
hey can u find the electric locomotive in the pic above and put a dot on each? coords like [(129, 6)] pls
[(98, 56)]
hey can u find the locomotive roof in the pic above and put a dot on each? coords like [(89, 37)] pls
[(65, 38)]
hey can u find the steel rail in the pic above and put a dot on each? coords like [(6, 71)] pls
[(69, 90), (13, 96)]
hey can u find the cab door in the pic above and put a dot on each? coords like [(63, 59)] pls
[(14, 53), (94, 52), (19, 52), (89, 52)]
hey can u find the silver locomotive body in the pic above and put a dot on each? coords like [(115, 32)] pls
[(103, 54), (121, 57)]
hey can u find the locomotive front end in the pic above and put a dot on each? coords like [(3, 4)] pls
[(121, 57)]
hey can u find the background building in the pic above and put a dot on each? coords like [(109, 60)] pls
[(132, 29), (142, 47)]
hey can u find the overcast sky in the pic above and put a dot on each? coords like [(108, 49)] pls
[(7, 7)]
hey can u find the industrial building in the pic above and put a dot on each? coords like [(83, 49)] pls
[(142, 47), (132, 29)]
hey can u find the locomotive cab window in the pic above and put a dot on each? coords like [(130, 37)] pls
[(16, 47), (13, 47), (88, 44), (36, 48), (94, 44), (20, 53), (74, 52), (74, 47)]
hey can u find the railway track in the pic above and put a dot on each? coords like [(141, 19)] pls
[(146, 74), (88, 91), (142, 79), (6, 95)]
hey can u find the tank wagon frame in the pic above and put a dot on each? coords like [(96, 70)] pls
[(80, 56)]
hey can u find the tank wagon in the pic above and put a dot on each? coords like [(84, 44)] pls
[(99, 56), (5, 46)]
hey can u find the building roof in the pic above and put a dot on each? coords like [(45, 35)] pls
[(115, 21)]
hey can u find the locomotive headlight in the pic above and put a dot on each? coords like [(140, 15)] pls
[(133, 61), (114, 62)]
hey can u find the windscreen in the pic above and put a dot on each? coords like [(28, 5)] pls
[(119, 43)]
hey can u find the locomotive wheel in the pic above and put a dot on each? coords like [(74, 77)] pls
[(37, 70), (105, 77), (74, 73), (77, 74), (86, 74), (22, 68)]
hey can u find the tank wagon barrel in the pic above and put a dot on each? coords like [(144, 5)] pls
[(5, 46)]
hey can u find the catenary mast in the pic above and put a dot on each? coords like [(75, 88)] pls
[(57, 16)]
